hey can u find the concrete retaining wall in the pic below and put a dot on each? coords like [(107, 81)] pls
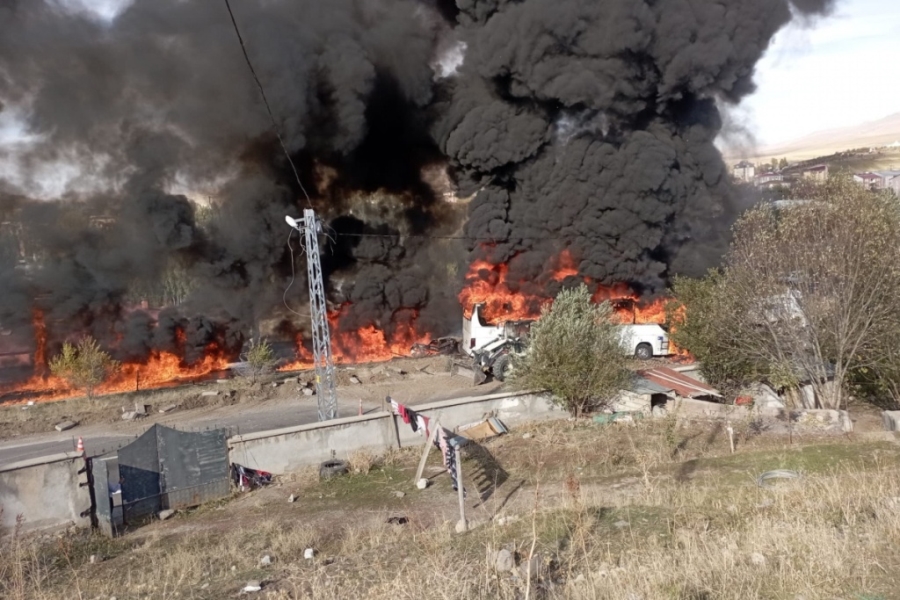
[(285, 450), (45, 492)]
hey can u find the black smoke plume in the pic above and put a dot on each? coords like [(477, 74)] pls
[(578, 123), (590, 126)]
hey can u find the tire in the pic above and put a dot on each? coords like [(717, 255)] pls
[(644, 351), (501, 367), (333, 468)]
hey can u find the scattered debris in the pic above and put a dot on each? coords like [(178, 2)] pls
[(248, 479), (776, 474), (309, 553), (355, 380), (165, 514), (399, 494), (275, 384), (252, 586), (441, 346), (265, 561), (308, 391), (621, 524), (757, 559), (482, 430), (141, 408), (333, 468), (422, 483), (209, 393), (526, 436), (130, 416), (507, 520), (292, 498), (94, 559), (166, 409), (462, 526), (398, 520), (65, 425)]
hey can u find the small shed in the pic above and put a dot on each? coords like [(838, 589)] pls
[(642, 395), (680, 384)]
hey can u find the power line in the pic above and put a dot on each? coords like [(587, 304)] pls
[(262, 92), (452, 237)]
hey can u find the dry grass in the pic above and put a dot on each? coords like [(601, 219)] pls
[(665, 513)]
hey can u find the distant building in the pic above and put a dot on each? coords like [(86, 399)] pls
[(816, 173), (870, 181), (768, 180), (888, 180), (744, 171)]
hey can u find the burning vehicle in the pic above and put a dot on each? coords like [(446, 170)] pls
[(492, 346)]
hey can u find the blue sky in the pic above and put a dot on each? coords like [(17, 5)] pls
[(840, 71)]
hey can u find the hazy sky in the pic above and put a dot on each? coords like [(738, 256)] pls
[(840, 71)]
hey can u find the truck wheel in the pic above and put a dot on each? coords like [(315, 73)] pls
[(501, 367), (333, 468), (644, 352)]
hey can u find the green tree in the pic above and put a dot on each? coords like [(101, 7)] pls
[(807, 293), (574, 353), (84, 366), (259, 360)]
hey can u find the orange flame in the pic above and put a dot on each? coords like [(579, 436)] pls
[(365, 345), (159, 369)]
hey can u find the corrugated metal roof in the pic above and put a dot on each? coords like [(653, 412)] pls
[(680, 384), (642, 385)]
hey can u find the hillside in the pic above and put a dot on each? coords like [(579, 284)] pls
[(874, 134), (658, 509)]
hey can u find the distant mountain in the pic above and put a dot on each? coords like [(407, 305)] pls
[(882, 132)]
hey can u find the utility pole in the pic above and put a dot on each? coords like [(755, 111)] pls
[(324, 364)]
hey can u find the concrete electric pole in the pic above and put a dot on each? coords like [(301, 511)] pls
[(310, 229)]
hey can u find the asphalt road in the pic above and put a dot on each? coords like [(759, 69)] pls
[(241, 419)]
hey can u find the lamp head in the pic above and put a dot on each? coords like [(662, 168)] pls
[(292, 221)]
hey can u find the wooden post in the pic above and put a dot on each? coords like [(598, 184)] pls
[(462, 525), (394, 421), (428, 444)]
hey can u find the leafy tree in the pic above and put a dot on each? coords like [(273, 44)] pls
[(259, 360), (574, 353), (807, 293), (84, 366)]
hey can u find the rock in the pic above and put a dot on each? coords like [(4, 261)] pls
[(308, 391), (309, 553), (113, 598), (275, 384), (129, 416), (141, 408), (168, 408), (504, 561), (462, 526), (223, 380), (265, 561), (422, 483), (355, 380), (166, 514), (620, 524), (526, 436), (233, 568), (580, 578), (94, 560), (757, 559), (399, 494), (65, 425), (210, 393), (204, 586), (292, 498), (252, 586)]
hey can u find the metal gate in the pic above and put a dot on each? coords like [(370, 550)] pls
[(163, 468)]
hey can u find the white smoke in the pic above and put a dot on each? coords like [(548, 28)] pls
[(449, 60)]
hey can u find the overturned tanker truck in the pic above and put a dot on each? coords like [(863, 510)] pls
[(492, 346)]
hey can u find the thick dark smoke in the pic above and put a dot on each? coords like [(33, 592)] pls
[(590, 125), (579, 123)]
